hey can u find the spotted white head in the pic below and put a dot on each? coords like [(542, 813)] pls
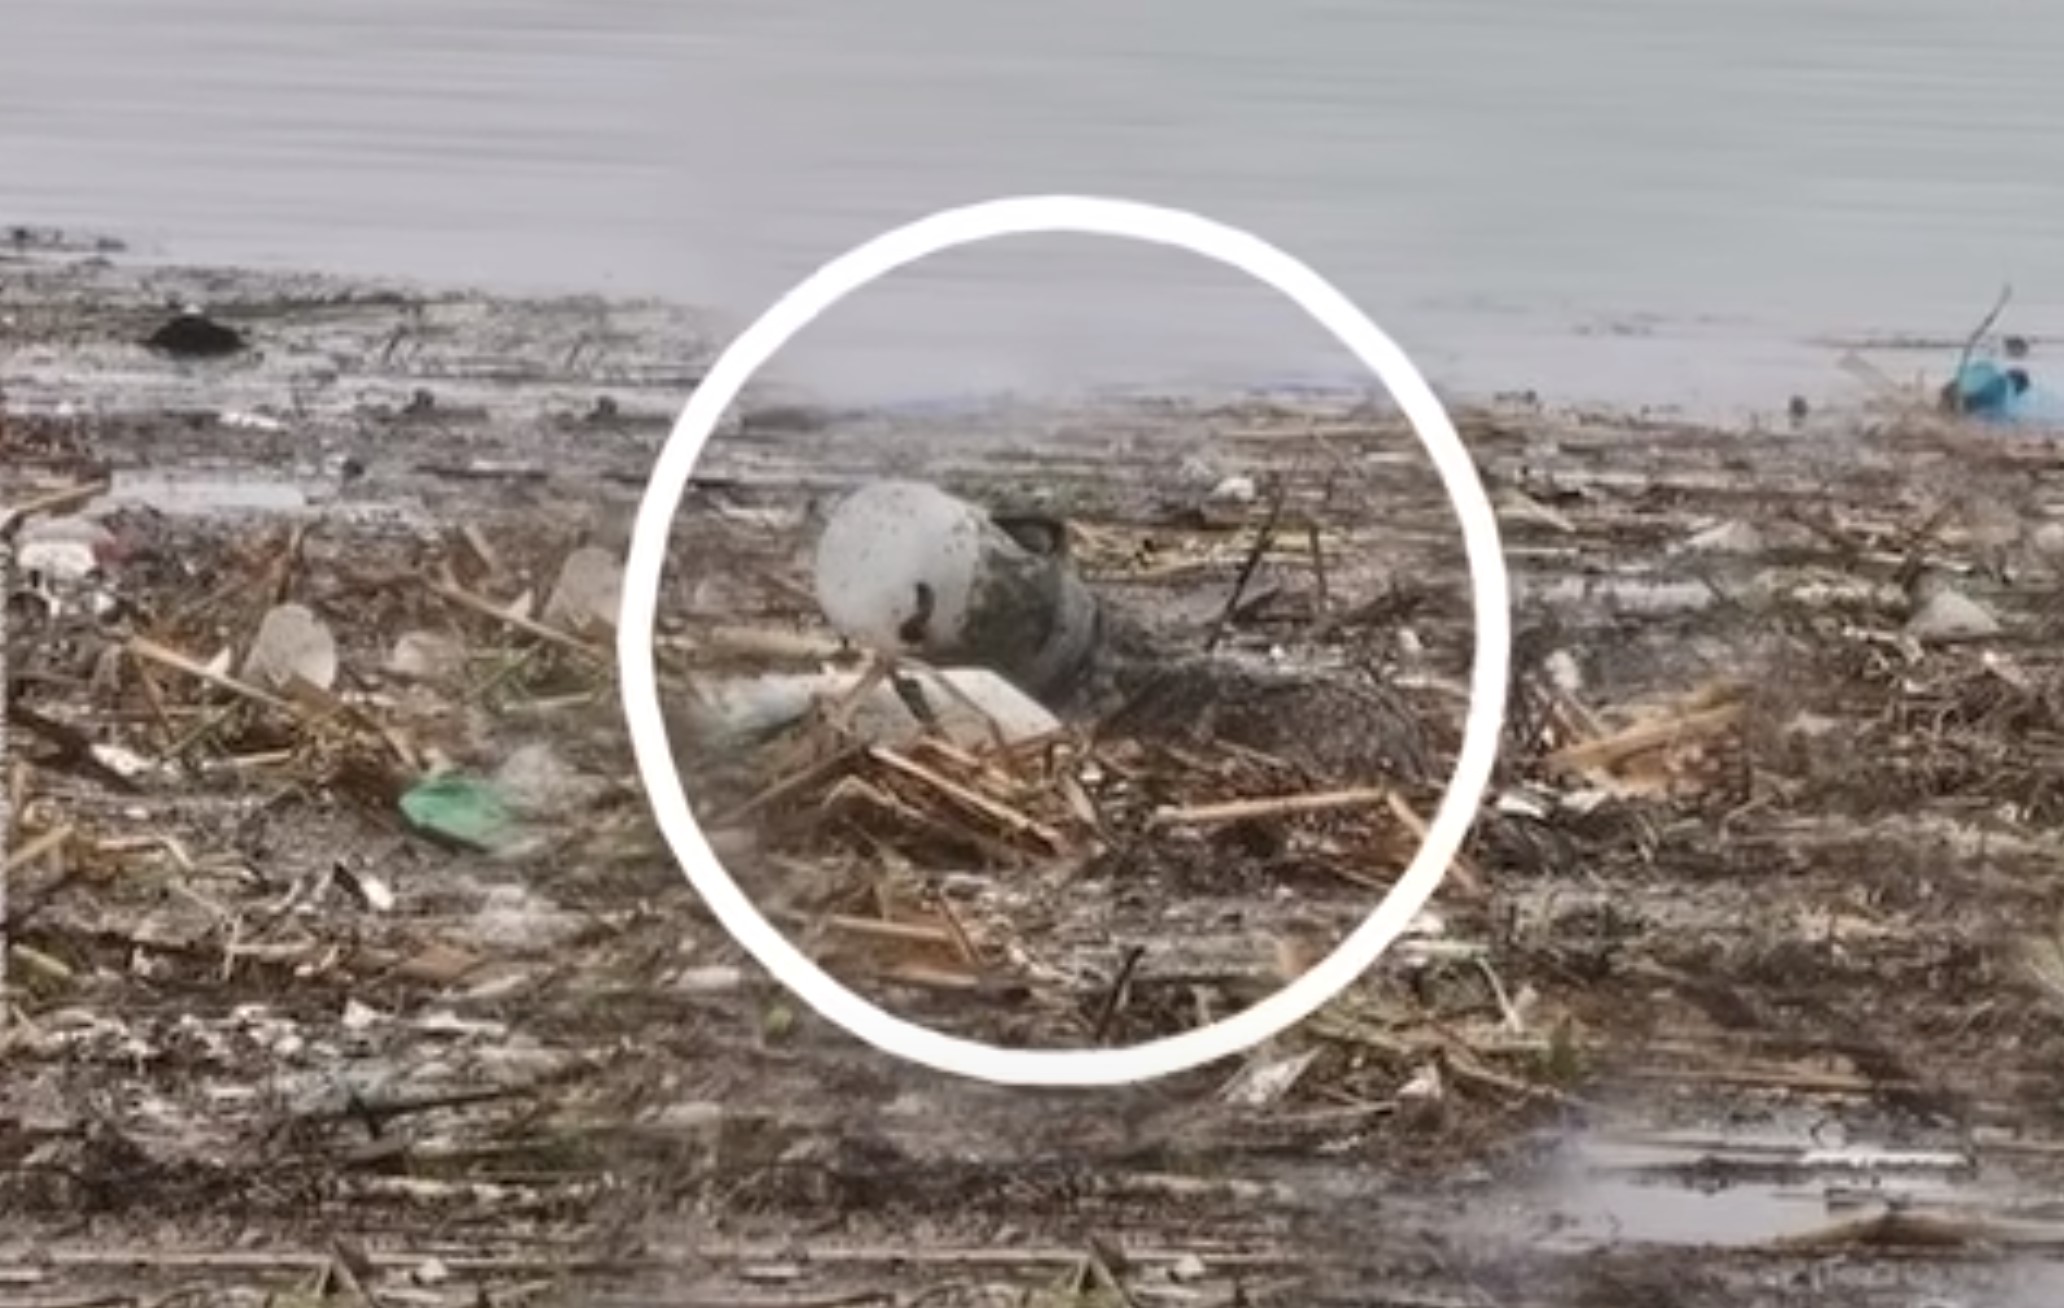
[(897, 564)]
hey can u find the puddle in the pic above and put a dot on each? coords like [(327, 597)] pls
[(1603, 1210), (1740, 1191)]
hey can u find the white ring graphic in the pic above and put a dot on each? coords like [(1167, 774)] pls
[(1101, 217)]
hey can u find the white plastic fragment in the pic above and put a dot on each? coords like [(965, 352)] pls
[(1730, 537), (971, 707), (1425, 1086), (1234, 490), (1949, 615), (1564, 673), (292, 642), (122, 761), (426, 656), (537, 784), (589, 593), (1265, 1081), (250, 421), (63, 549)]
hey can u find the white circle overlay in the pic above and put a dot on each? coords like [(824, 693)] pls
[(1029, 215)]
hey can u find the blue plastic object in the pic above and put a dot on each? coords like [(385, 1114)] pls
[(1987, 390), (2008, 396)]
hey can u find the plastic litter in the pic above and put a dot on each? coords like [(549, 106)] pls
[(292, 643), (971, 706), (904, 567), (465, 810)]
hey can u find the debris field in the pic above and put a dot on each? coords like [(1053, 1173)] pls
[(345, 961)]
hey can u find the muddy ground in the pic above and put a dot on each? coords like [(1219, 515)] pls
[(1750, 989)]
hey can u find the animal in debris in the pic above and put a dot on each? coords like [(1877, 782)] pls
[(905, 568)]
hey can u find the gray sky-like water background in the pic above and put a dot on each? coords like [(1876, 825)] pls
[(1664, 202)]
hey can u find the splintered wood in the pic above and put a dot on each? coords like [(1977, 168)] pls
[(1674, 749)]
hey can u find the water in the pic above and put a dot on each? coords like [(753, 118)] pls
[(1642, 201), (1745, 1189)]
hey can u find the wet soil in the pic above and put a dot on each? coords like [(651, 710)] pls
[(1765, 1013)]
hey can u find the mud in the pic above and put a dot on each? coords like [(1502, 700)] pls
[(1763, 1022)]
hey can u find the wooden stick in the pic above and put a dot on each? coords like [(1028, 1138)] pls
[(566, 1263), (1263, 539), (1001, 814), (1464, 871), (1971, 344), (909, 933), (781, 789), (50, 841), (929, 978), (1241, 810), (173, 659), (1643, 737), (464, 598), (766, 642), (57, 501)]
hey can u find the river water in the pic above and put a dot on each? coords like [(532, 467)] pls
[(1687, 202)]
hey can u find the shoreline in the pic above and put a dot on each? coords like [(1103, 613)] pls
[(1811, 906), (1840, 373)]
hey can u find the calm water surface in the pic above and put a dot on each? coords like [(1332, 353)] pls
[(1636, 200)]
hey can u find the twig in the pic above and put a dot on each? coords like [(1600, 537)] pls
[(1646, 736), (50, 841), (1102, 1263), (1262, 540), (1971, 345), (932, 978), (464, 598), (348, 1266), (756, 642), (1241, 810), (1114, 998), (57, 501), (789, 785), (701, 1253), (963, 943), (376, 1113), (75, 748), (173, 659), (854, 790), (9, 777), (909, 933), (1464, 871), (1322, 602), (476, 540), (1002, 814), (929, 716)]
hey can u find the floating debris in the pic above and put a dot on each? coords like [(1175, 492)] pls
[(235, 976), (191, 334)]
